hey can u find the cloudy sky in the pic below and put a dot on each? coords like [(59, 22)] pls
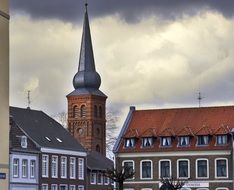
[(151, 54)]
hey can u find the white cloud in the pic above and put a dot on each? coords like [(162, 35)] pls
[(146, 63)]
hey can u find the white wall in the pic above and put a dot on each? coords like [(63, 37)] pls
[(4, 91)]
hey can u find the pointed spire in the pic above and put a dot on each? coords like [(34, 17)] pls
[(86, 77)]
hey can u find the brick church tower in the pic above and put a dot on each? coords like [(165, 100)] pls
[(87, 104)]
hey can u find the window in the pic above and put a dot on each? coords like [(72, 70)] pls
[(203, 140), (95, 111), (147, 141), (129, 142), (164, 168), (221, 188), (81, 168), (63, 187), (99, 179), (106, 180), (80, 187), (44, 187), (146, 169), (92, 178), (45, 159), (63, 167), (202, 168), (165, 141), (221, 139), (32, 168), (75, 111), (24, 143), (54, 167), (183, 169), (128, 164), (221, 168), (184, 141), (15, 167), (82, 111), (54, 187), (24, 168), (72, 168), (72, 187), (100, 111)]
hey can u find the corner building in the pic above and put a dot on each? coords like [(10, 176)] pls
[(194, 145)]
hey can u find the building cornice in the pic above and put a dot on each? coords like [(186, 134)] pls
[(6, 16), (181, 153), (60, 151)]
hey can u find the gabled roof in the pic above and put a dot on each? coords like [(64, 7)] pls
[(43, 130), (131, 133), (96, 161), (177, 122), (151, 132)]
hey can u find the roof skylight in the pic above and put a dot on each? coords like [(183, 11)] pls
[(48, 139), (59, 140)]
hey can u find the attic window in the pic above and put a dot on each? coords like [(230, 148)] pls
[(59, 140), (24, 143), (48, 139)]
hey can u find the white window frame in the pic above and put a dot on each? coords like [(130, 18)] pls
[(197, 168), (24, 142), (166, 139), (187, 140), (221, 188), (63, 174), (222, 136), (80, 187), (72, 168), (107, 181), (72, 186), (146, 140), (202, 136), (216, 159), (159, 167), (178, 173), (54, 185), (129, 142), (81, 168), (100, 183), (141, 169), (147, 189), (133, 163), (24, 168), (63, 185), (15, 168), (46, 162), (44, 186), (32, 169), (54, 163), (95, 178)]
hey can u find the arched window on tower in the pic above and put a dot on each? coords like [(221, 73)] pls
[(98, 149), (95, 111), (100, 111), (75, 111), (82, 111)]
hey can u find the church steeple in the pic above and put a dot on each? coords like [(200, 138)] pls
[(86, 77), (87, 104)]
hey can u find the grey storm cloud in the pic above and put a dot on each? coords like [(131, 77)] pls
[(129, 10)]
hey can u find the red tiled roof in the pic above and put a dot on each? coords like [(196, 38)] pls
[(181, 122), (131, 133), (151, 132)]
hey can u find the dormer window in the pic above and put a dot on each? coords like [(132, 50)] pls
[(184, 141), (147, 141), (203, 140), (221, 139), (129, 142), (24, 143), (165, 141)]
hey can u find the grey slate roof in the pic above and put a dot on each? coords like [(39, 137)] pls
[(38, 125), (85, 91), (96, 161), (86, 77)]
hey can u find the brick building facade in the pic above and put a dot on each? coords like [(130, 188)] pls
[(193, 145)]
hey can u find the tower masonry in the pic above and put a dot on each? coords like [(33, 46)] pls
[(87, 104)]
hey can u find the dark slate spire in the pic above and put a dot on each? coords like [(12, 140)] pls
[(86, 77)]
